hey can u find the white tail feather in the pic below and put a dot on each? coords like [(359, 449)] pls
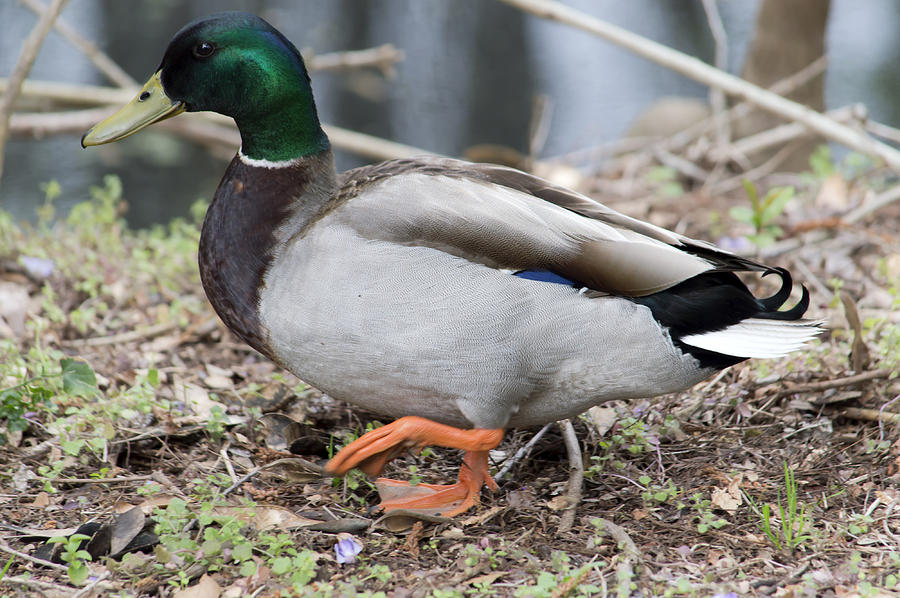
[(757, 337)]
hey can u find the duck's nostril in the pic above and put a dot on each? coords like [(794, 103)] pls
[(144, 96)]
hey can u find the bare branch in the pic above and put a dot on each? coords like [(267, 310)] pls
[(101, 60), (29, 52), (696, 69), (382, 57), (716, 96)]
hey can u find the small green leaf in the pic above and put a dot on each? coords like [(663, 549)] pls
[(72, 447), (248, 568), (78, 378), (774, 203), (78, 573), (281, 565), (242, 552), (741, 214)]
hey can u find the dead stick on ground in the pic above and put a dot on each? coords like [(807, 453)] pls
[(877, 202), (37, 584), (870, 415), (23, 65), (88, 590), (123, 337), (700, 71), (509, 463), (312, 467), (630, 554), (576, 475), (120, 479), (10, 550), (781, 134), (836, 383)]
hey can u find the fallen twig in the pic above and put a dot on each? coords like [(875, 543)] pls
[(870, 415), (576, 476), (295, 460), (782, 134), (630, 554), (89, 588), (122, 337), (114, 480), (509, 463), (10, 550), (876, 203), (30, 582), (836, 383)]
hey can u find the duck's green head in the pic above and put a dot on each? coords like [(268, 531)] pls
[(238, 65)]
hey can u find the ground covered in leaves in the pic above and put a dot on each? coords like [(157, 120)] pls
[(144, 451)]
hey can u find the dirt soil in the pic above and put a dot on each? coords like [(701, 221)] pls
[(683, 478)]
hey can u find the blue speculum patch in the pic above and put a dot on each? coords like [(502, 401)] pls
[(544, 276)]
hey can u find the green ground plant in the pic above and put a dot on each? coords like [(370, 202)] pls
[(793, 525), (763, 212), (75, 556)]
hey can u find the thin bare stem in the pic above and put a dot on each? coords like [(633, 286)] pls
[(576, 475), (520, 454), (23, 66), (716, 96), (382, 57)]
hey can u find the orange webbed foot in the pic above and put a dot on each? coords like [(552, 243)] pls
[(373, 450)]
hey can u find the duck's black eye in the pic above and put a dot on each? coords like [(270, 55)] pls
[(204, 50)]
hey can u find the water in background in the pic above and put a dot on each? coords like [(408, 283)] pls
[(471, 71)]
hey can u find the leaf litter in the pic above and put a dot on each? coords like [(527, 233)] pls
[(146, 412)]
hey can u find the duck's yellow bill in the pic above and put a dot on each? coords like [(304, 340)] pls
[(150, 106)]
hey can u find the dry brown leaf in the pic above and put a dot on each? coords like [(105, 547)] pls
[(639, 514), (205, 588), (267, 517), (833, 196), (603, 418), (482, 518), (558, 503), (41, 500), (160, 500), (13, 306), (401, 520), (725, 500)]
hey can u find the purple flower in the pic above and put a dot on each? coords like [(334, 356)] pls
[(37, 267), (347, 548), (728, 595)]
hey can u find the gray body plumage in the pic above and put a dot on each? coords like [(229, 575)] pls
[(381, 304)]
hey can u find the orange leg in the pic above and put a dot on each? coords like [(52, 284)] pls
[(372, 451)]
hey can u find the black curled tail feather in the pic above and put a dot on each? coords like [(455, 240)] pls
[(770, 305), (714, 301)]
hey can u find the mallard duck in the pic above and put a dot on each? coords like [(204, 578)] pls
[(461, 298)]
